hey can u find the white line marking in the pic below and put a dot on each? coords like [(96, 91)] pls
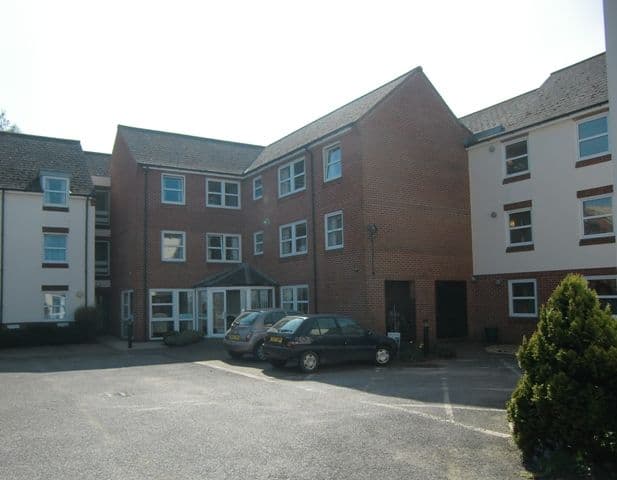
[(454, 407), (446, 399), (442, 420), (511, 367), (211, 364)]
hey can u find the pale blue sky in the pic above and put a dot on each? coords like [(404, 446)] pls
[(253, 71)]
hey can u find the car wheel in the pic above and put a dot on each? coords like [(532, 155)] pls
[(278, 363), (309, 361), (234, 355), (259, 352), (383, 356)]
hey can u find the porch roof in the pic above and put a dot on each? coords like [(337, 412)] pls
[(242, 275)]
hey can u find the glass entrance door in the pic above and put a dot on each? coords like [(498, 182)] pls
[(223, 306), (218, 312)]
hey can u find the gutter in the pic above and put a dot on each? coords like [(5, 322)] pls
[(88, 200), (314, 235), (2, 237), (145, 253)]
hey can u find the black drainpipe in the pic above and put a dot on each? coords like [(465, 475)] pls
[(314, 235), (88, 199), (146, 313), (2, 259)]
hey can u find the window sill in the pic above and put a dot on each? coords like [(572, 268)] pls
[(596, 240), (55, 265), (55, 209), (520, 248), (223, 261), (291, 195), (517, 178), (531, 318), (593, 161)]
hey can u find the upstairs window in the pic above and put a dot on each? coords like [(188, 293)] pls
[(332, 163), (293, 239), (101, 257), (597, 216), (334, 230), (291, 178), (258, 243), (222, 194), (593, 137), (517, 160), (519, 226), (224, 248), (102, 207), (257, 188), (55, 191), (172, 189), (173, 246), (54, 248)]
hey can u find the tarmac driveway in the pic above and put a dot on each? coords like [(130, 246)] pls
[(94, 412)]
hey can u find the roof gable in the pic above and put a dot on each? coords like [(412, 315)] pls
[(241, 276), (98, 163)]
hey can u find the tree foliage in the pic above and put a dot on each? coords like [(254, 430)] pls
[(6, 125), (566, 400)]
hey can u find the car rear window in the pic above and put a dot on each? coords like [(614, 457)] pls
[(247, 318), (288, 324)]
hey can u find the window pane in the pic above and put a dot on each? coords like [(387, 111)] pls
[(214, 187), (524, 306), (523, 289), (606, 286), (335, 222), (333, 171), (161, 297), (301, 245), (328, 326), (161, 311), (231, 200), (56, 198), (56, 184), (516, 149), (232, 242), (349, 327), (214, 241), (55, 241), (285, 187), (301, 230), (520, 235), (592, 128), (286, 233), (299, 182), (161, 328), (173, 196), (335, 238), (598, 226), (286, 247), (215, 199), (302, 294), (593, 146), (231, 188), (172, 183), (100, 251), (185, 300), (520, 219), (334, 155), (299, 167), (215, 254), (599, 206), (287, 294), (232, 255), (517, 165)]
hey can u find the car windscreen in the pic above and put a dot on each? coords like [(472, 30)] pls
[(246, 318), (287, 325)]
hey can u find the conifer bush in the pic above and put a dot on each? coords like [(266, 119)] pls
[(565, 403)]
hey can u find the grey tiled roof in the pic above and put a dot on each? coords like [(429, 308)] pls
[(241, 275), (173, 150), (23, 157), (329, 123), (566, 91), (98, 163)]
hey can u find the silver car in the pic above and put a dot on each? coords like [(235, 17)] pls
[(247, 332)]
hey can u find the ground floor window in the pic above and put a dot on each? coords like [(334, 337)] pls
[(295, 298), (606, 288), (522, 298), (171, 310), (54, 306)]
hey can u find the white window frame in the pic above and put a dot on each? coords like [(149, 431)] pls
[(511, 283), (98, 263), (102, 216), (52, 317), (295, 302), (260, 243), (223, 237), (165, 176), (509, 229), (579, 140), (342, 230), (293, 239), (505, 158), (175, 308), (66, 191), (65, 249), (183, 245), (326, 161), (583, 218), (257, 196), (292, 177), (222, 193), (604, 277)]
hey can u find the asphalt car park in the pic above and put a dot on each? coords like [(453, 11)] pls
[(193, 413)]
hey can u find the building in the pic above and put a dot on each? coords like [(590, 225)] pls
[(364, 211), (542, 181), (98, 167), (46, 230)]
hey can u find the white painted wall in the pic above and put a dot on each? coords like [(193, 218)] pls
[(23, 256), (556, 215)]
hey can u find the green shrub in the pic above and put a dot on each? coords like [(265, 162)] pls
[(565, 404), (178, 339)]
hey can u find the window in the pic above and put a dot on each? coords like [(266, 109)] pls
[(172, 189), (54, 248), (222, 194), (102, 207), (258, 243), (261, 298), (295, 298), (606, 288), (334, 230), (522, 298), (597, 216), (55, 191), (223, 247), (519, 226), (101, 258), (332, 166), (257, 188), (173, 246), (517, 160), (349, 327), (291, 178), (54, 306), (593, 137), (171, 310), (293, 239)]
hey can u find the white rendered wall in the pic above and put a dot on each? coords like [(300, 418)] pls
[(23, 256), (556, 215)]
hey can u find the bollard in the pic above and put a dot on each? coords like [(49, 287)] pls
[(425, 346)]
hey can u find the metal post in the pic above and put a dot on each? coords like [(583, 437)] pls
[(425, 346), (129, 328)]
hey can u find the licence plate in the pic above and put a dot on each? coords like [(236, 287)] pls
[(276, 339), (234, 337)]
